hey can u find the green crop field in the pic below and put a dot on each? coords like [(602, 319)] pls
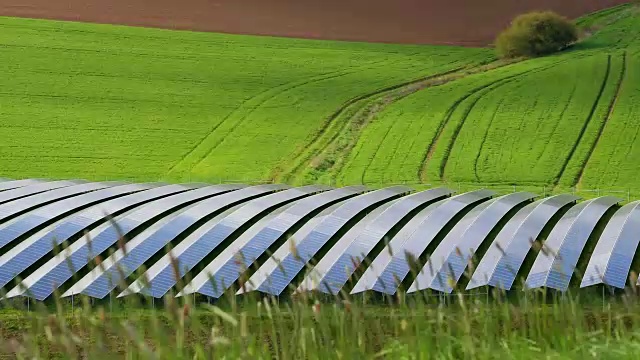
[(114, 102), (124, 103), (565, 120), (99, 101)]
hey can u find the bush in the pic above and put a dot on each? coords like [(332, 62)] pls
[(536, 34)]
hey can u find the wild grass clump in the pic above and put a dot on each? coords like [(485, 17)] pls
[(464, 328), (485, 323), (536, 34)]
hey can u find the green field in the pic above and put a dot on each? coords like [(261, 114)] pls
[(565, 120), (98, 101), (114, 102)]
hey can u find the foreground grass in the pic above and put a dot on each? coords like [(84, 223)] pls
[(466, 328)]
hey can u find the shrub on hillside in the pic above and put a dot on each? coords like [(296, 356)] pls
[(536, 34)]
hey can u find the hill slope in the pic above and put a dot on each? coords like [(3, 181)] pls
[(102, 101), (564, 120), (84, 100), (468, 22)]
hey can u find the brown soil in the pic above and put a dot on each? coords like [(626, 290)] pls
[(462, 22)]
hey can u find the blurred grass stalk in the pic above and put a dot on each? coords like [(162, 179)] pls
[(482, 324)]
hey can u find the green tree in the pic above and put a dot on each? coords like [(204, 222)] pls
[(536, 34)]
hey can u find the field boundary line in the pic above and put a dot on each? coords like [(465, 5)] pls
[(610, 112), (586, 123)]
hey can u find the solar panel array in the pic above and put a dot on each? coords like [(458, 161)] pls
[(274, 239)]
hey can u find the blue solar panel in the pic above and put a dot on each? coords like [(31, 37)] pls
[(99, 284), (391, 266), (227, 267), (500, 264), (37, 246), (274, 277), (450, 259), (615, 250), (553, 268), (49, 213), (30, 190), (54, 273), (161, 275), (334, 270)]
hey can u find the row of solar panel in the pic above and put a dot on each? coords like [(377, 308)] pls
[(93, 238)]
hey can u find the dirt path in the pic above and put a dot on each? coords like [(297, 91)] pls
[(460, 22)]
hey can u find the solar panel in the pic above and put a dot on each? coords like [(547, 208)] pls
[(615, 250), (500, 264), (54, 273), (391, 266), (14, 184), (161, 275), (274, 263), (227, 267), (449, 260), (553, 268), (99, 281), (30, 250), (30, 190), (334, 270), (274, 277), (49, 213), (141, 248), (17, 207)]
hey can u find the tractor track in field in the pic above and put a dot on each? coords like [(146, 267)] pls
[(385, 97), (610, 112), (445, 121), (484, 139), (260, 98), (465, 115), (437, 139), (585, 125), (305, 156)]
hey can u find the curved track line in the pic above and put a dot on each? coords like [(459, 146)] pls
[(456, 131), (301, 159), (557, 123), (612, 106), (437, 139), (443, 124), (260, 98), (254, 108), (484, 139), (375, 153), (586, 123)]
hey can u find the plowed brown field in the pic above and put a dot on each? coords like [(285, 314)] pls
[(464, 22)]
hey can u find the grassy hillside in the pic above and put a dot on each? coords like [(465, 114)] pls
[(565, 120), (98, 101)]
